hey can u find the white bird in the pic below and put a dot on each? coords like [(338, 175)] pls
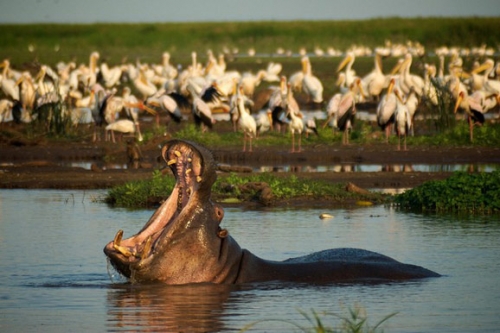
[(488, 84), (27, 91), (402, 120), (246, 123), (408, 80), (110, 76), (332, 109), (144, 85), (201, 111), (88, 75), (264, 121), (168, 105), (250, 81), (296, 125), (272, 72), (347, 62), (8, 85), (123, 126), (311, 85), (385, 110), (375, 81), (5, 110), (430, 92), (411, 102)]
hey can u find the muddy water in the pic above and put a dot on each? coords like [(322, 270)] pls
[(54, 276)]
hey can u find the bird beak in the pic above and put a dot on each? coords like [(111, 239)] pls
[(457, 104), (397, 67), (481, 68), (142, 107), (344, 62)]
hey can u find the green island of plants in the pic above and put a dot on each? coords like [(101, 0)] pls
[(477, 193), (233, 188), (461, 192)]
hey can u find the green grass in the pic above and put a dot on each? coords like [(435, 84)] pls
[(355, 322)]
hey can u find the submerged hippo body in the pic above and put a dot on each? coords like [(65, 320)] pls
[(184, 243)]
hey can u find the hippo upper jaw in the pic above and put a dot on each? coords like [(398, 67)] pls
[(185, 209)]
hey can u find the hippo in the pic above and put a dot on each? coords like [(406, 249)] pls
[(183, 241)]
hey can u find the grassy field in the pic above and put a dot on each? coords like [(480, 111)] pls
[(51, 43)]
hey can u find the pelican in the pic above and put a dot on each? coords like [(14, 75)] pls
[(89, 74), (272, 72), (489, 85), (27, 91), (6, 110), (408, 80), (110, 76), (250, 81), (375, 81), (246, 123), (264, 120), (8, 85), (347, 62), (386, 108), (143, 85), (311, 85), (471, 104)]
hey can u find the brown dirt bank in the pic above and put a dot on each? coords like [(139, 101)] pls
[(49, 164)]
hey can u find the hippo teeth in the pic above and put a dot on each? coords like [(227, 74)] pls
[(127, 252)]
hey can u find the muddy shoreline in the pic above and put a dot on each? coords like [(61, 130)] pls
[(55, 165)]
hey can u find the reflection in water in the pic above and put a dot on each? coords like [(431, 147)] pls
[(352, 167), (158, 307)]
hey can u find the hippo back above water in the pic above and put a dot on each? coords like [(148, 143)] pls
[(183, 241)]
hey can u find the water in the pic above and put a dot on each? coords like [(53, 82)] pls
[(54, 276)]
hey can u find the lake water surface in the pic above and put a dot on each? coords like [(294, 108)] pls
[(54, 276)]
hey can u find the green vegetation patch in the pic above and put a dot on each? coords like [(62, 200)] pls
[(265, 188), (462, 192)]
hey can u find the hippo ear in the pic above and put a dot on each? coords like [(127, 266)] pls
[(222, 233)]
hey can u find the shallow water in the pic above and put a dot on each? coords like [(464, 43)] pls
[(54, 275)]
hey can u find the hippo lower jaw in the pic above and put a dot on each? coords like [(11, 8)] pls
[(186, 163)]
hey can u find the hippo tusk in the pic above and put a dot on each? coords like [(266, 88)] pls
[(118, 238), (172, 161), (147, 248), (116, 244)]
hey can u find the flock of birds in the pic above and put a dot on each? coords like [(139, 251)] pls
[(91, 93)]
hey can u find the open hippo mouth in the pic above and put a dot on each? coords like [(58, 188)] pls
[(194, 169)]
